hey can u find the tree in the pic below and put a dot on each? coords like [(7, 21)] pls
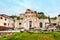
[(11, 17), (54, 18), (18, 18), (42, 15), (40, 12)]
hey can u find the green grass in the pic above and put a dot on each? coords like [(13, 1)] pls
[(33, 36)]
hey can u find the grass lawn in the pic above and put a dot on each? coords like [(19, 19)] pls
[(33, 36)]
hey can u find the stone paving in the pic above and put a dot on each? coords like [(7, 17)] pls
[(4, 33)]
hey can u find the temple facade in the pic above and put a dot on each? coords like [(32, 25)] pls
[(31, 21)]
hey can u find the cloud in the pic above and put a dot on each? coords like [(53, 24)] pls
[(10, 7)]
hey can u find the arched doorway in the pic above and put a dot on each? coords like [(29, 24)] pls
[(30, 24), (40, 24)]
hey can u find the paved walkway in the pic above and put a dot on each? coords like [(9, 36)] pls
[(4, 33), (11, 31)]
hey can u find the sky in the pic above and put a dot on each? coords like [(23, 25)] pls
[(16, 7)]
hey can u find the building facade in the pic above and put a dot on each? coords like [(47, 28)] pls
[(5, 22), (28, 20)]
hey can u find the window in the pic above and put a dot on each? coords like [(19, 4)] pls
[(25, 16), (4, 23), (54, 24), (19, 23), (5, 19), (1, 18), (40, 24), (30, 24)]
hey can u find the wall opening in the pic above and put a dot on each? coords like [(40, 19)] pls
[(40, 24), (30, 24)]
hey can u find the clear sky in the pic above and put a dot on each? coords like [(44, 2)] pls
[(16, 7)]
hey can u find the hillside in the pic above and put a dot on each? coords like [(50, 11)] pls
[(33, 36)]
